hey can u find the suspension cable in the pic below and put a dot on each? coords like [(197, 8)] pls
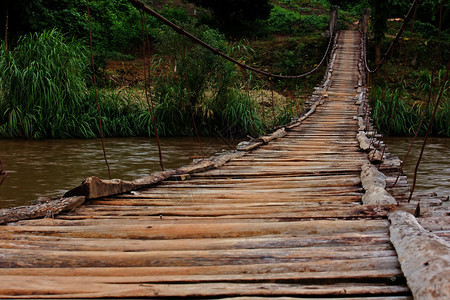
[(391, 46), (141, 6), (96, 92), (429, 98), (150, 105), (430, 124)]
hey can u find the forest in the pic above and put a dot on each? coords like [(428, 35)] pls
[(150, 76)]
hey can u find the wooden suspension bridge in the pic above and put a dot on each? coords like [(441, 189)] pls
[(281, 218)]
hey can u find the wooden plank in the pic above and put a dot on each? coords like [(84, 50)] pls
[(175, 231), (78, 287), (377, 241)]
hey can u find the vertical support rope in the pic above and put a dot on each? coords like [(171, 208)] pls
[(188, 89), (96, 92), (3, 173), (272, 101), (151, 107), (220, 73), (429, 98), (247, 79), (6, 25), (405, 61), (430, 124)]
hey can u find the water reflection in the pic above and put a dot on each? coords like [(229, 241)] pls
[(434, 169), (51, 167)]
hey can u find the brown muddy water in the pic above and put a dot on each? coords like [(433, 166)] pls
[(434, 169), (51, 167)]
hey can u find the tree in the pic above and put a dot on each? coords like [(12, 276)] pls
[(230, 14)]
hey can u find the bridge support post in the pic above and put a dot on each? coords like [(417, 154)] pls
[(365, 20), (334, 26)]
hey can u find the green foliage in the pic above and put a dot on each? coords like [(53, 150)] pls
[(234, 15), (42, 80), (44, 93), (115, 24), (313, 23), (200, 81), (412, 99), (283, 20)]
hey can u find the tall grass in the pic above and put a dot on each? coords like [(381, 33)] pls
[(44, 92), (43, 85), (410, 109)]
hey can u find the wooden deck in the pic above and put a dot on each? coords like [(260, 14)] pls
[(285, 220)]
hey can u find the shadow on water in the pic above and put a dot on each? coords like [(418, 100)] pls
[(51, 167), (434, 169)]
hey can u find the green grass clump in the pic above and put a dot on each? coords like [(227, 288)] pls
[(411, 101), (43, 85), (44, 93)]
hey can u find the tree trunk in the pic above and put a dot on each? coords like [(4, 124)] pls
[(378, 53)]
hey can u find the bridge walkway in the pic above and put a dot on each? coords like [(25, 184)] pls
[(284, 220)]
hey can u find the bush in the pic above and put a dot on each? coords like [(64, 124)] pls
[(311, 23), (283, 20), (44, 93), (43, 84)]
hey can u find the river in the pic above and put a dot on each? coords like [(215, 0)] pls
[(434, 170), (51, 167)]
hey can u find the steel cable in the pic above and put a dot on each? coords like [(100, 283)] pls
[(141, 6)]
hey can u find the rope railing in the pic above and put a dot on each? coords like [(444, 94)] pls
[(436, 106), (393, 43), (412, 12), (141, 6)]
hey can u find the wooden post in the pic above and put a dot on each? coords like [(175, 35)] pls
[(334, 19), (365, 20)]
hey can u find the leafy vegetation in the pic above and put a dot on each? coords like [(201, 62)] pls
[(406, 105), (233, 15), (45, 82)]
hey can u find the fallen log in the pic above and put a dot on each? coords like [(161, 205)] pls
[(423, 256), (40, 210)]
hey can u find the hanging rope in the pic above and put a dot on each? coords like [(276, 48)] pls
[(188, 89), (430, 124), (247, 78), (393, 43), (437, 59), (411, 39), (3, 173), (272, 102), (148, 94), (141, 6), (96, 92), (6, 25)]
